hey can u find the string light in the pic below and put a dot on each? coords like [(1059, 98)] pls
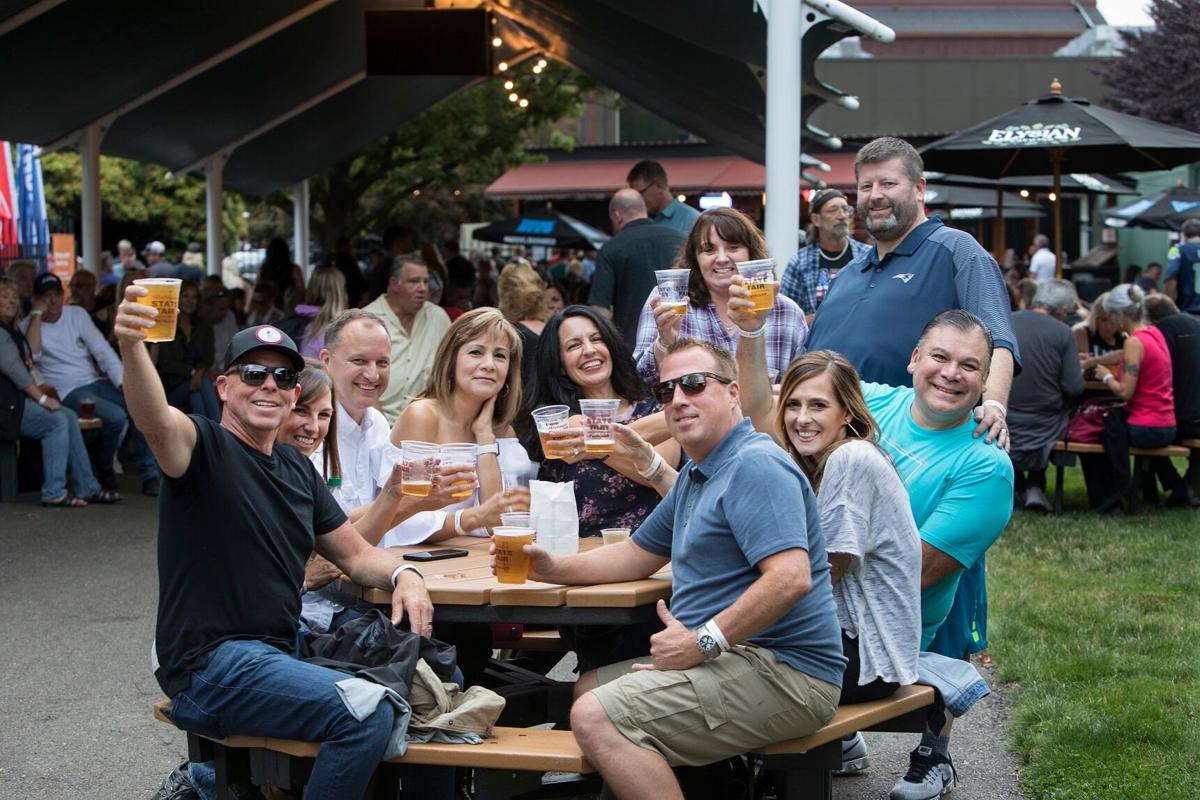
[(1052, 197), (541, 63), (524, 103), (457, 192), (512, 98), (416, 192), (502, 66), (508, 85), (682, 198), (536, 70), (1024, 193), (497, 41)]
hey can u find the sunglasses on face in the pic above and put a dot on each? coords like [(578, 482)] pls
[(692, 384), (256, 375)]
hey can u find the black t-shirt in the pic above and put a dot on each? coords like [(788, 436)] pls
[(234, 533), (1182, 334), (835, 261)]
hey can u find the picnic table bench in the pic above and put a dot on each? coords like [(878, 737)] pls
[(1064, 455), (512, 762)]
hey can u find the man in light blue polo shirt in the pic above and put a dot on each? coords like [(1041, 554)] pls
[(751, 651), (649, 179)]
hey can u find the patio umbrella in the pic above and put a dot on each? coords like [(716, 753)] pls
[(545, 227), (939, 195), (1166, 210), (8, 205), (1055, 134), (1073, 183)]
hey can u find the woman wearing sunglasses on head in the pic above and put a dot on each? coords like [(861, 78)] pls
[(720, 239)]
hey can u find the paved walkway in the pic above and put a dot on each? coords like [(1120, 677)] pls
[(78, 594)]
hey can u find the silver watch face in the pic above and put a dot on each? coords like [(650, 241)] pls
[(707, 645)]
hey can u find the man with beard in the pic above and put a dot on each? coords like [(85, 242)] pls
[(809, 273), (876, 309)]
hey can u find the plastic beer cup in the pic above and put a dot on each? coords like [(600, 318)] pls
[(418, 460), (547, 419), (512, 563), (759, 278), (672, 288), (163, 297), (459, 454), (599, 415), (614, 535)]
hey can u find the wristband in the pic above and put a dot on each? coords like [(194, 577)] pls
[(652, 470), (660, 347), (758, 334), (42, 399), (996, 404), (485, 449), (1107, 377), (458, 522), (402, 568), (715, 631), (37, 312)]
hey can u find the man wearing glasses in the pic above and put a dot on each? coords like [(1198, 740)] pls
[(751, 652), (808, 273), (237, 521), (649, 179)]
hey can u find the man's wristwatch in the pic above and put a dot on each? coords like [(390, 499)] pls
[(707, 644)]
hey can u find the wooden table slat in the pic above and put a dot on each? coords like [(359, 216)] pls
[(621, 595)]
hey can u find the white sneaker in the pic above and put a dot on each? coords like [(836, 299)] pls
[(929, 776), (1036, 498), (855, 757)]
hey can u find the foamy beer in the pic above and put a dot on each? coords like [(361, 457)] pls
[(418, 461), (512, 563), (547, 419), (672, 288), (759, 279), (615, 535), (599, 416), (163, 297)]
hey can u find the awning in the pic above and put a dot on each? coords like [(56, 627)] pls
[(691, 176)]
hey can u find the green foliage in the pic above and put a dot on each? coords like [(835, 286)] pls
[(431, 171), (1154, 75), (142, 194), (1098, 621)]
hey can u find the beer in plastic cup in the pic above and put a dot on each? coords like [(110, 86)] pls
[(550, 418), (512, 563), (87, 408), (599, 415), (614, 535), (459, 454), (418, 460), (759, 278), (164, 297), (672, 288)]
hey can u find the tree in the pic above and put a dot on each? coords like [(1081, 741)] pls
[(1153, 76), (167, 207), (431, 171)]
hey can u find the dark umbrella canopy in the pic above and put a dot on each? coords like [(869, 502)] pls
[(1092, 138), (547, 228), (1165, 210), (1072, 183), (939, 195)]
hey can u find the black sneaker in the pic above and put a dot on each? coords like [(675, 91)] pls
[(177, 786), (929, 776)]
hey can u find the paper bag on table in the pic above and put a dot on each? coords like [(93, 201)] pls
[(553, 515)]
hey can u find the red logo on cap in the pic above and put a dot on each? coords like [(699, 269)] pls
[(268, 335)]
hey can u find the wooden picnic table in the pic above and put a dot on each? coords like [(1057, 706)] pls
[(464, 590)]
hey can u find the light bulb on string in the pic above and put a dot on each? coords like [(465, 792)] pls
[(502, 66), (497, 41), (512, 98), (524, 103), (509, 85)]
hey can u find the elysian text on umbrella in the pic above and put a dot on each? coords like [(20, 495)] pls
[(1064, 134)]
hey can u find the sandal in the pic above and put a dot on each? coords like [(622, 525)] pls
[(66, 501), (105, 497)]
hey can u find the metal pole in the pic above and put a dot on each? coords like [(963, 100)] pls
[(300, 227), (783, 130), (214, 196), (89, 155)]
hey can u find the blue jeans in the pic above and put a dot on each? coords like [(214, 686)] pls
[(253, 689), (62, 447), (202, 402), (1151, 438), (110, 410)]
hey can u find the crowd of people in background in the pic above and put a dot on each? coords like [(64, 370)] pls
[(889, 377)]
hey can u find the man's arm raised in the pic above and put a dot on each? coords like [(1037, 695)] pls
[(168, 431), (758, 402)]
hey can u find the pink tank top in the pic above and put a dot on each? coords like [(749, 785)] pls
[(1153, 401)]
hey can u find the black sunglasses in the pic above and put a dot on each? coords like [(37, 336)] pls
[(256, 375), (692, 384)]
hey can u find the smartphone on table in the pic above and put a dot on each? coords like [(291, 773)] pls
[(435, 555)]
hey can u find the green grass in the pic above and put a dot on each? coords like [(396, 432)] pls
[(1098, 621)]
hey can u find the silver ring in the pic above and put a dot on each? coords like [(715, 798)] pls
[(574, 451)]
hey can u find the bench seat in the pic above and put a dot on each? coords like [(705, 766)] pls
[(1063, 455)]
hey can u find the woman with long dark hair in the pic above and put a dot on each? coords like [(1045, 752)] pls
[(183, 364)]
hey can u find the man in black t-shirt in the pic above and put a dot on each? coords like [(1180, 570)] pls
[(1182, 335), (237, 520)]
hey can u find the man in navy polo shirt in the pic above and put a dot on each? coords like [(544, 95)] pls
[(875, 310)]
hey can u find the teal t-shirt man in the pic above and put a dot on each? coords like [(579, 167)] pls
[(960, 489)]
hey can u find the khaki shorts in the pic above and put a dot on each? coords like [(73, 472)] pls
[(742, 700)]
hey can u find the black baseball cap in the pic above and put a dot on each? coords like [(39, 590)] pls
[(47, 282), (264, 337)]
